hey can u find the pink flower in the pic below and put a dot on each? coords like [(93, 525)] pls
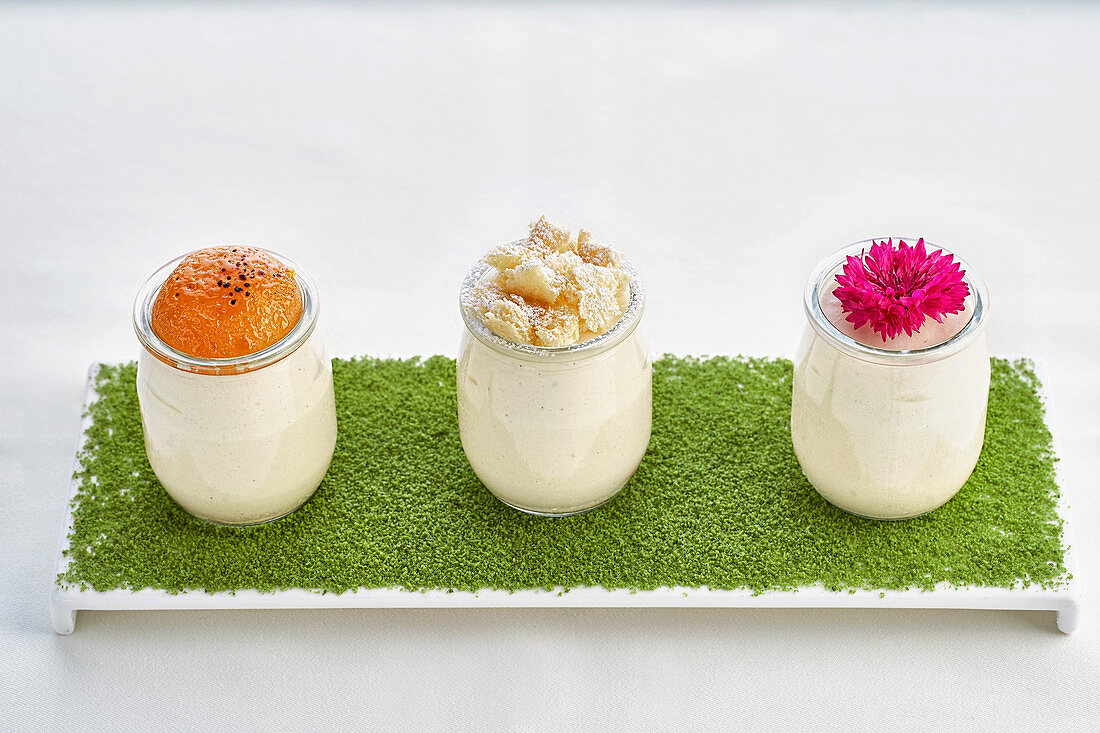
[(894, 288)]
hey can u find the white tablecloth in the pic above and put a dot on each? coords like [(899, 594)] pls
[(385, 147)]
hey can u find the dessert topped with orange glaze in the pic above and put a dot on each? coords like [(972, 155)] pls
[(227, 302)]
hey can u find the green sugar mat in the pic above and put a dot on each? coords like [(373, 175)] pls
[(718, 501)]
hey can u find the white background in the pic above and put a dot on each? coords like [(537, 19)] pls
[(725, 148)]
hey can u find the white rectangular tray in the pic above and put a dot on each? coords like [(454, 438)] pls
[(65, 602)]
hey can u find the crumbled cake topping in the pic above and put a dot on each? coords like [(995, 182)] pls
[(552, 289)]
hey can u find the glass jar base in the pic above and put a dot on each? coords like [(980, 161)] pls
[(889, 519), (570, 513), (256, 523)]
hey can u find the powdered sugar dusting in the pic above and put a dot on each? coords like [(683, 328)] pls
[(552, 289)]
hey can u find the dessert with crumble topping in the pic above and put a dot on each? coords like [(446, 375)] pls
[(554, 375)]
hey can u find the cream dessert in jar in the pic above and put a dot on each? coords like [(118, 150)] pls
[(554, 376), (235, 389), (888, 421)]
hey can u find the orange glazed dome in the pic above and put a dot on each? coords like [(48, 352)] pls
[(227, 302)]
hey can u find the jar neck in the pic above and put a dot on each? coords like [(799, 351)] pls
[(557, 354), (143, 327), (821, 283)]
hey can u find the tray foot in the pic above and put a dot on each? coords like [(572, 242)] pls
[(63, 616), (1067, 618)]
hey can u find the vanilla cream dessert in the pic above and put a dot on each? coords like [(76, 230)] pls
[(554, 377), (235, 389), (889, 429)]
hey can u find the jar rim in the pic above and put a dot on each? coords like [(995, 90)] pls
[(906, 357), (530, 352), (143, 326)]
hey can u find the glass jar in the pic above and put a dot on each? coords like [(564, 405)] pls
[(240, 440), (881, 431), (555, 431)]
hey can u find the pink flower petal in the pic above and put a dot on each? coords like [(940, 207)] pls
[(896, 287)]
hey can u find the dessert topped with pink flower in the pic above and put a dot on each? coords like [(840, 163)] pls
[(891, 378)]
